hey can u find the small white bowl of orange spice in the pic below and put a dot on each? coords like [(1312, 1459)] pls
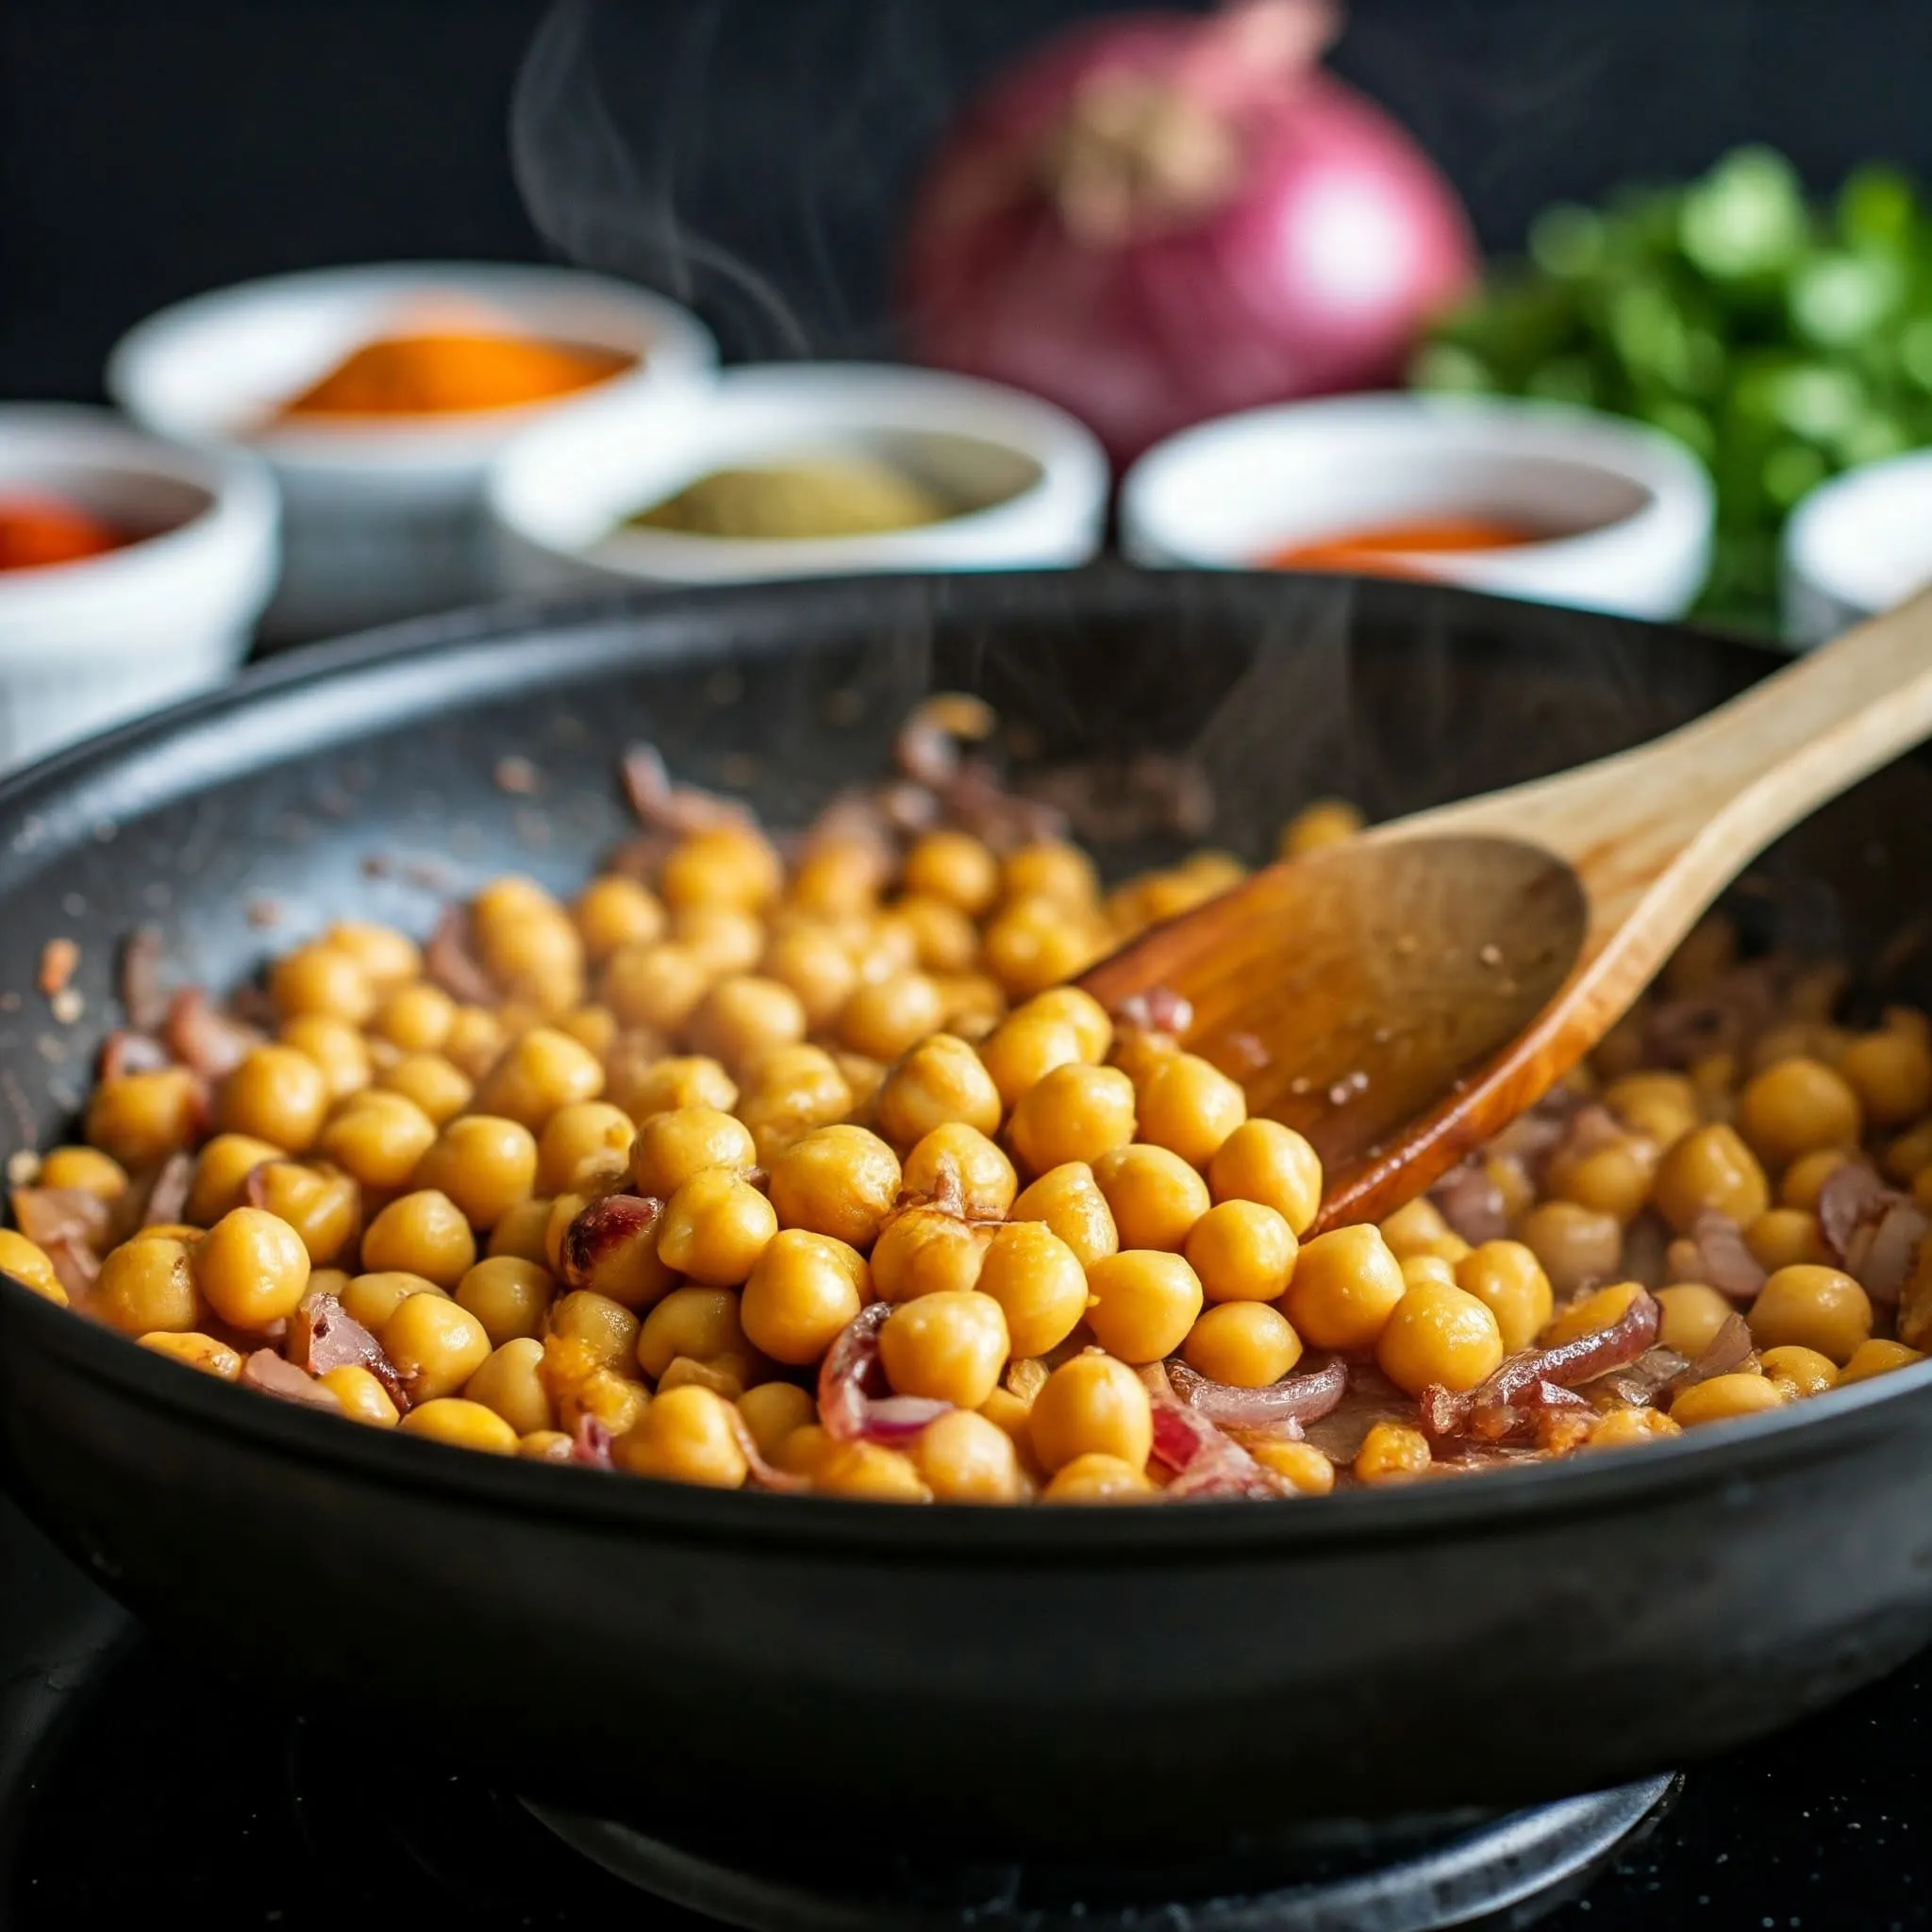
[(380, 394), (1522, 499)]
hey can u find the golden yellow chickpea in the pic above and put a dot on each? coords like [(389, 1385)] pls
[(220, 1175), (1068, 1199), (509, 1296), (955, 867), (1662, 1107), (868, 1471), (688, 1435), (811, 960), (520, 1231), (1092, 1405), (1441, 1335), (377, 1139), (1345, 1286), (193, 1351), (1077, 1112), (510, 1382), (1098, 1478), (251, 1268), (700, 1323), (891, 1016), (1190, 1107), (744, 1016), (964, 1458), (1323, 822), (656, 985), (1392, 1453), (670, 1148), (1781, 1237), (475, 1038), (371, 1299), (803, 1291), (416, 1018), (546, 1445), (839, 1181), (31, 1266), (1039, 1282), (1031, 944), (1801, 1371), (1723, 1398), (150, 1284), (363, 1396), (485, 1163), (86, 1170), (728, 864), (436, 1085), (1574, 1245), (421, 1233), (923, 1251), (1506, 1277), (137, 1120), (789, 1092), (714, 1227), (942, 1080), (435, 1345), (581, 1131), (613, 911), (389, 957), (460, 1424), (1418, 1228), (1810, 1306), (605, 1395), (726, 937), (1246, 1343), (950, 1347), (1421, 1269), (1262, 1161), (1890, 1072), (1144, 1303), (1603, 1310), (1140, 1052), (1708, 1170), (335, 1046), (1798, 1107), (1156, 1198), (1050, 869), (1877, 1358), (669, 1085), (540, 1073), (1074, 1007), (321, 978), (1623, 1427), (775, 1410), (1024, 1048), (1691, 1315), (958, 1165), (1306, 1469), (1613, 1179), (322, 1203), (1803, 1180)]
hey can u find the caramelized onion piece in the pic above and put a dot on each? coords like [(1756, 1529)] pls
[(450, 960), (168, 1191), (69, 1215), (1852, 1193), (1469, 1199), (1728, 1352), (142, 996), (1280, 1409), (268, 1372), (321, 1336), (1722, 1259), (679, 810), (203, 1038), (1883, 1252), (591, 1443), (851, 1409), (1207, 1463)]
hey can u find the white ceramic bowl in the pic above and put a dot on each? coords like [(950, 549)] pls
[(382, 519), (87, 644), (1858, 545), (1632, 507), (559, 495)]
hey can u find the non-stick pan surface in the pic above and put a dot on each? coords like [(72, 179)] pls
[(1124, 1682)]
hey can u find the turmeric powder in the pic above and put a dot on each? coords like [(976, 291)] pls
[(428, 375)]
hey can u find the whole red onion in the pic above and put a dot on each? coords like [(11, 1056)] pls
[(1159, 218)]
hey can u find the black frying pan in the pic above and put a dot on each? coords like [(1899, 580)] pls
[(1124, 1682)]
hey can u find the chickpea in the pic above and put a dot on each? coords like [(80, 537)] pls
[(604, 1396), (1692, 1314), (220, 1175), (378, 1139), (1575, 1246), (1024, 1048), (744, 1016), (1709, 1169), (724, 865), (1051, 868), (942, 1080), (838, 1180), (1345, 1286), (688, 1435), (1418, 1228), (31, 1266), (371, 1299), (1662, 1107), (1190, 1107), (520, 1231), (435, 1345), (1392, 1453), (612, 911), (891, 1016), (1613, 1179), (1595, 1312), (775, 1410), (671, 1148), (251, 1268), (1804, 1179), (87, 1171), (486, 1164), (335, 1046), (510, 1382), (701, 1323), (1890, 1073), (689, 1080), (1096, 1478), (1323, 822), (959, 1164), (546, 1445), (1723, 1398), (923, 1251), (150, 1284), (415, 1018), (1624, 1426), (387, 956), (1783, 1236), (321, 978), (461, 1425), (1439, 1335), (964, 1458), (475, 1040), (137, 1120), (869, 1471), (1810, 1306), (362, 1397), (536, 957), (950, 1347), (607, 1329), (803, 1291), (1145, 1302), (1798, 1107), (1509, 1280), (1093, 1406), (1801, 1371), (1909, 1156), (1877, 1358), (509, 1297), (1068, 1199), (944, 939), (1246, 1343), (610, 1243), (201, 1352), (956, 867), (810, 961), (714, 1227), (322, 1205), (434, 1084), (1077, 1112), (658, 985), (1262, 1161), (1422, 1268), (1039, 1283), (1154, 1197), (582, 1131), (1140, 1052), (539, 1073), (1031, 944)]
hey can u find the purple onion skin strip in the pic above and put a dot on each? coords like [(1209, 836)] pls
[(1300, 1399), (847, 1410)]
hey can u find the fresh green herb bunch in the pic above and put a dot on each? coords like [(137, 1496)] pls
[(1780, 342)]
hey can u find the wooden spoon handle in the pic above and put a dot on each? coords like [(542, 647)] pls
[(1674, 820)]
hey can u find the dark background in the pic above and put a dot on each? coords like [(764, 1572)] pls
[(151, 148)]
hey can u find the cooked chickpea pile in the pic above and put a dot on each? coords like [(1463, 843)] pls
[(823, 1178)]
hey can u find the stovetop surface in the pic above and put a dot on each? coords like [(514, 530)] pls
[(137, 1787)]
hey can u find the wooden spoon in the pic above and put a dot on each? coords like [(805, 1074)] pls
[(1402, 997)]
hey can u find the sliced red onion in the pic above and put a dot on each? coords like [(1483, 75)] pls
[(1728, 1351), (765, 1476), (851, 1409), (1724, 1261), (679, 810), (1640, 1385), (323, 1336), (205, 1040), (1852, 1195), (1470, 1200), (46, 1215), (167, 1194), (1207, 1463), (142, 996), (451, 963), (591, 1443), (1281, 1409), (125, 1052), (1883, 1253), (1645, 1256), (268, 1373), (1589, 1129), (76, 1268)]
